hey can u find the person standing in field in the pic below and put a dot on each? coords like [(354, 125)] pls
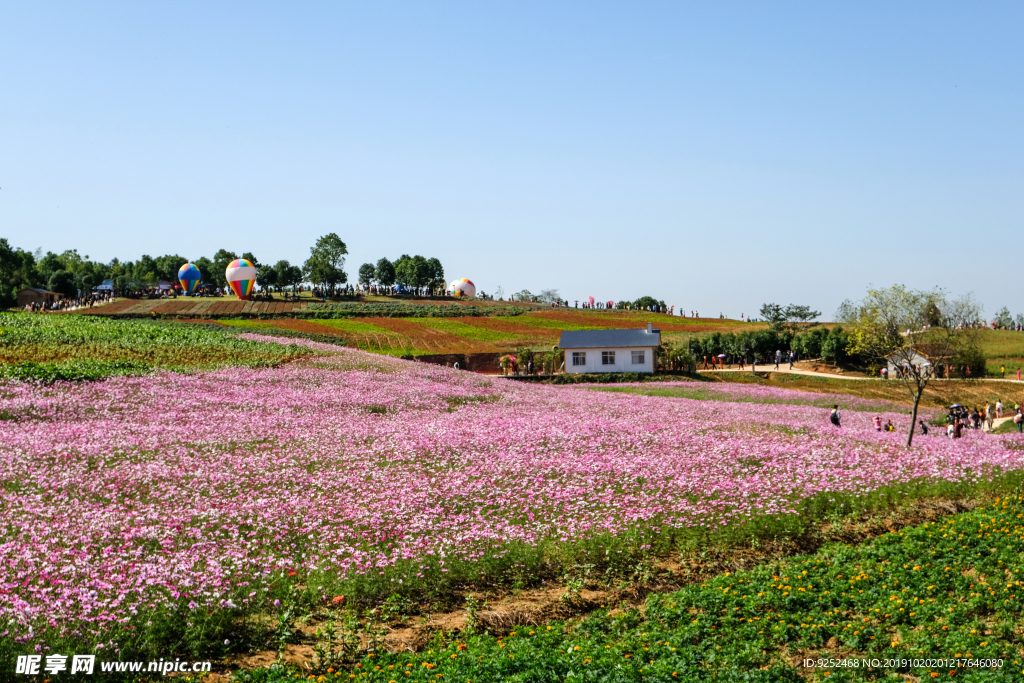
[(1018, 420), (834, 416), (924, 427), (878, 423)]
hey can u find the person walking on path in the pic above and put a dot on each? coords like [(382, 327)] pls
[(989, 417), (999, 408), (1002, 371), (834, 417)]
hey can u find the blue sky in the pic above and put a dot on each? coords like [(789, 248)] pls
[(714, 155)]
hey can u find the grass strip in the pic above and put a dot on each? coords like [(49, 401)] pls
[(698, 393)]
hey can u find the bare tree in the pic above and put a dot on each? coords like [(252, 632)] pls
[(907, 328), (549, 296)]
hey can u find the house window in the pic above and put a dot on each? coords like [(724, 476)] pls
[(638, 357), (579, 358), (607, 358)]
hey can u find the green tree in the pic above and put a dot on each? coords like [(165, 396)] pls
[(266, 276), (405, 271), (167, 266), (144, 271), (366, 273), (774, 315), (248, 256), (293, 277), (1003, 318), (71, 261), (47, 266), (424, 273), (16, 270), (221, 260), (384, 273), (648, 302), (894, 325), (63, 282), (282, 273), (800, 315), (205, 267), (524, 355), (437, 281), (326, 262), (89, 275), (833, 345)]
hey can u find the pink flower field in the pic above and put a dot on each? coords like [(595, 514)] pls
[(167, 492)]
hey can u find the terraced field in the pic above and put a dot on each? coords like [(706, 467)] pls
[(412, 336)]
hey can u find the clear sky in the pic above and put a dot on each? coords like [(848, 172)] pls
[(713, 155)]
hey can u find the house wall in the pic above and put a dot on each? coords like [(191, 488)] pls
[(917, 359), (623, 360), (31, 296)]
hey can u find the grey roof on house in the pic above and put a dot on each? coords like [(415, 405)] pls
[(608, 339)]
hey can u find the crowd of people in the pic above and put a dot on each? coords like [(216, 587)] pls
[(982, 419), (779, 357), (69, 304)]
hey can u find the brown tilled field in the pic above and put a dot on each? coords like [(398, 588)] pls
[(118, 306), (534, 335)]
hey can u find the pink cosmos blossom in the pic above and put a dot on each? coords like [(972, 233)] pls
[(128, 495)]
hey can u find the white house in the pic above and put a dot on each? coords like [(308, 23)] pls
[(921, 356), (610, 350)]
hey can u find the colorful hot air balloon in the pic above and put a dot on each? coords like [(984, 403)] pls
[(189, 277), (462, 287), (241, 276)]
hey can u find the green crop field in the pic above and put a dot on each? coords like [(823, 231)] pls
[(1003, 348), (68, 347), (938, 601), (461, 329)]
